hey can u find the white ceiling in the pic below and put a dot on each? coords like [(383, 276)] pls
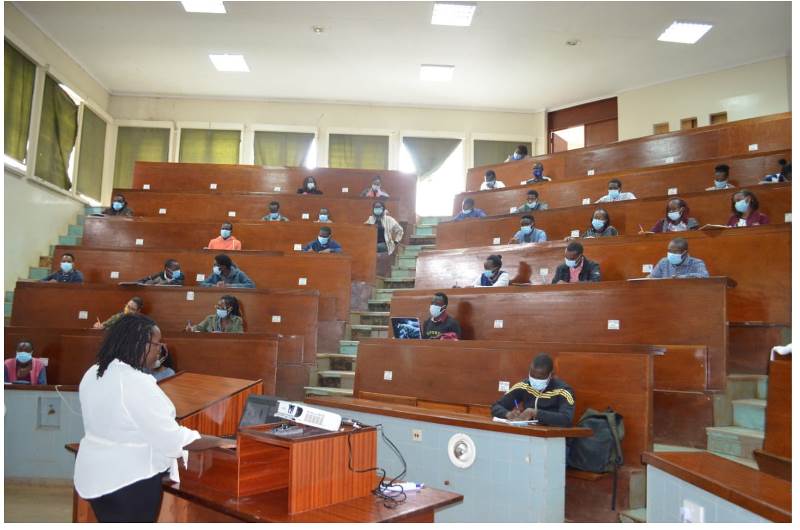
[(513, 57)]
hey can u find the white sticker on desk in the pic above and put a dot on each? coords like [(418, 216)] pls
[(498, 324), (212, 186), (276, 319), (200, 278), (304, 216), (590, 172), (575, 233), (502, 386), (387, 375), (83, 315), (190, 296), (139, 242), (586, 200), (669, 160), (513, 209), (114, 275), (145, 186), (297, 246), (523, 182), (231, 214), (787, 217), (345, 190), (752, 147), (162, 211), (672, 191), (276, 188), (302, 281), (544, 271), (613, 324), (647, 267), (496, 241)]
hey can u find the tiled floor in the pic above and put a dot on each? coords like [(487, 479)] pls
[(28, 503)]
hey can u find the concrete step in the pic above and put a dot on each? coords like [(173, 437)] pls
[(377, 318), (348, 347), (418, 239), (46, 262), (364, 331), (749, 413), (37, 273), (386, 293), (75, 231), (69, 240), (403, 273), (744, 461), (379, 305), (636, 515), (328, 391), (734, 441), (89, 210), (414, 250), (335, 361), (9, 296), (744, 386), (7, 309), (425, 230), (335, 379), (396, 283), (433, 219), (407, 262)]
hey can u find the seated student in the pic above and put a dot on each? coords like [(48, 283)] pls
[(440, 325), (468, 210), (784, 175), (119, 206), (576, 267), (540, 396), (390, 233), (490, 181), (677, 219), (601, 225), (744, 206), (520, 153), (171, 275), (324, 244), (68, 273), (324, 216), (532, 203), (227, 274), (721, 174), (615, 193), (678, 263), (492, 275), (225, 241), (375, 191), (24, 368), (133, 306), (226, 319), (161, 367), (309, 187), (274, 213), (538, 174), (528, 233)]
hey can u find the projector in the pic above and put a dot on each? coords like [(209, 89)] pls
[(304, 415)]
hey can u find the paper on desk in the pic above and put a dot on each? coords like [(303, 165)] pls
[(517, 423)]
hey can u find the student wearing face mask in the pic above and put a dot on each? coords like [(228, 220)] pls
[(226, 239), (677, 218), (528, 233), (678, 263), (440, 325), (227, 318), (576, 267), (490, 181), (721, 174), (744, 205), (67, 272), (24, 368), (468, 210), (532, 203), (520, 153), (492, 275), (274, 214), (538, 175), (171, 275), (226, 274), (600, 225), (375, 190), (162, 366), (133, 306), (309, 187), (119, 207), (784, 175), (324, 244), (615, 193), (541, 396), (324, 216), (389, 231)]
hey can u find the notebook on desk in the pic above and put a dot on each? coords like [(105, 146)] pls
[(406, 328)]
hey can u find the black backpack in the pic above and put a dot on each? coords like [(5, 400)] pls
[(601, 452)]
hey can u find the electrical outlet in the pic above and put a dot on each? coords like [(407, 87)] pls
[(669, 160), (83, 315), (787, 217), (752, 147), (672, 191), (575, 233), (586, 200), (387, 375), (162, 211), (416, 435), (692, 513), (590, 172), (544, 271), (200, 278), (49, 413), (302, 281), (613, 324), (145, 186), (496, 241), (190, 296), (212, 186), (297, 246), (503, 386), (304, 216), (498, 324), (276, 319), (139, 242), (114, 275)]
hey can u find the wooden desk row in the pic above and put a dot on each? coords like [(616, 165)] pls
[(710, 207), (746, 172), (358, 241), (239, 178), (765, 133)]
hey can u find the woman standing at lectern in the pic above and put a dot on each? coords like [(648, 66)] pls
[(132, 439)]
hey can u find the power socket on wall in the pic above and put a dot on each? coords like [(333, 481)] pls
[(416, 435)]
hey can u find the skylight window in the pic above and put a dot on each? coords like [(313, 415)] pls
[(452, 14), (204, 6), (229, 63), (436, 72), (684, 32)]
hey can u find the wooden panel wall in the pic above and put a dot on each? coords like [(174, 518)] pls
[(778, 430)]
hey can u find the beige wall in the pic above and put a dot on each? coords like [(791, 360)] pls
[(743, 92)]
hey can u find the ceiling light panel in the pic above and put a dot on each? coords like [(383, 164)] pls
[(684, 32), (436, 72), (452, 14), (229, 63), (204, 6)]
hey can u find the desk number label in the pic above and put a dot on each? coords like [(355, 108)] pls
[(114, 275), (139, 242), (647, 267), (496, 241), (304, 216), (231, 214), (276, 188), (345, 190), (145, 186), (498, 324), (276, 319), (387, 375), (298, 246), (613, 324), (302, 281), (83, 315), (190, 296), (502, 386), (200, 278), (586, 200), (162, 211), (672, 191), (575, 233), (544, 271), (212, 186), (752, 147), (590, 172), (787, 217)]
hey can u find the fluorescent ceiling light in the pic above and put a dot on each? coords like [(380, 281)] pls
[(684, 32), (436, 72), (204, 6), (452, 14), (229, 63)]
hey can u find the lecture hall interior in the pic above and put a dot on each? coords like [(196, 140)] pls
[(413, 262)]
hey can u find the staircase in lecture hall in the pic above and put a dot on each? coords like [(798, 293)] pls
[(335, 372)]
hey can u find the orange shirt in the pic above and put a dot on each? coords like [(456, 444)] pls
[(225, 244)]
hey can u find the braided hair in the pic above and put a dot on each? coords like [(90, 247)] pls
[(127, 340)]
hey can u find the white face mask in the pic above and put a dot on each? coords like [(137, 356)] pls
[(538, 384), (436, 310)]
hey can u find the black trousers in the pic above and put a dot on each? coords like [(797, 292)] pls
[(136, 503)]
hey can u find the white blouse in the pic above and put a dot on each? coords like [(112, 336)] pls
[(502, 281), (131, 432)]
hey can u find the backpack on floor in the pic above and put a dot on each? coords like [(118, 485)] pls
[(601, 452)]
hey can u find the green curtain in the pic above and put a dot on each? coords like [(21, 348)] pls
[(57, 131), (148, 144), (429, 154), (489, 152), (210, 146), (20, 74), (92, 154), (281, 148), (356, 151)]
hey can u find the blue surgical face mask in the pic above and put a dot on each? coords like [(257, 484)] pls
[(377, 211), (527, 229), (117, 205), (24, 356), (613, 193), (720, 184), (225, 233), (674, 258), (311, 185), (537, 172), (674, 216), (741, 206), (571, 263), (436, 310), (467, 212), (323, 217), (488, 274), (323, 240), (598, 224), (222, 313), (538, 384), (274, 216), (176, 274), (516, 156), (217, 270), (66, 266)]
